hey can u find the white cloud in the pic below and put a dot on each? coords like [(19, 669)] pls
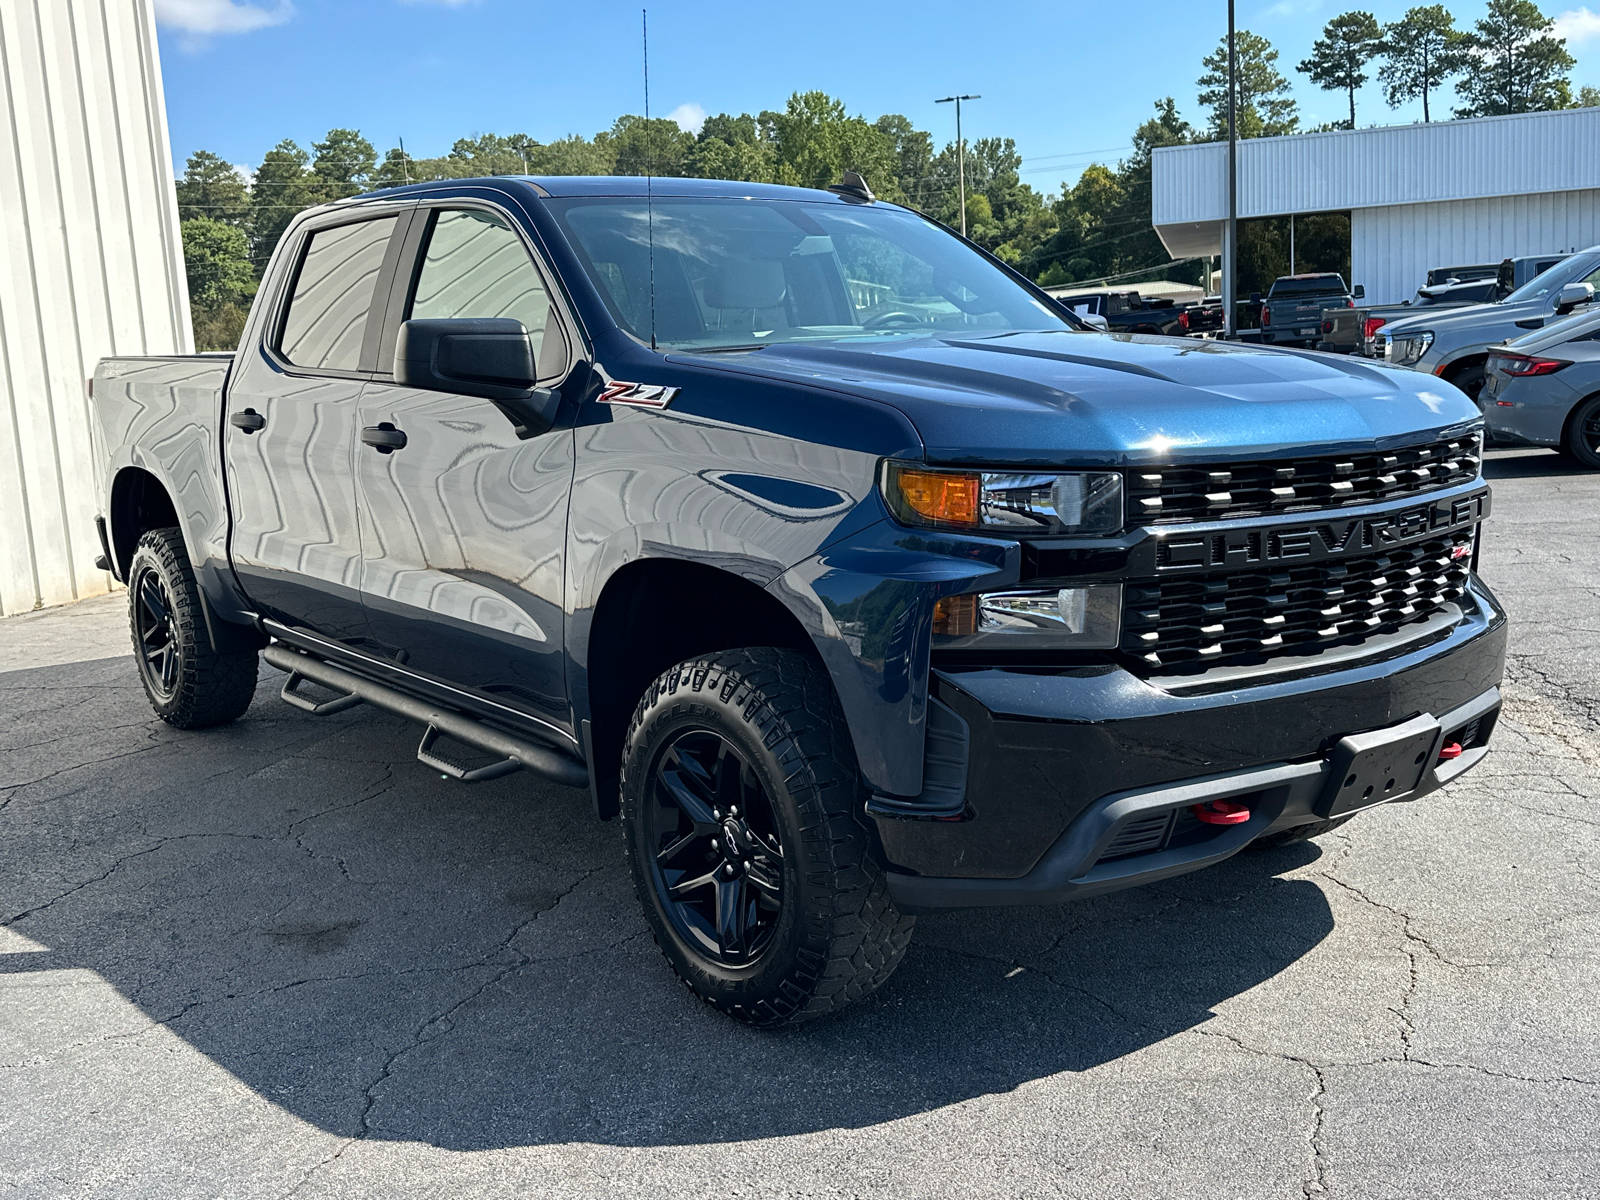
[(688, 116), (220, 16), (1578, 25)]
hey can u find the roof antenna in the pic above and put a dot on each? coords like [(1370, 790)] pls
[(649, 154)]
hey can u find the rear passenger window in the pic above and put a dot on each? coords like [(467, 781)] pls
[(477, 266), (327, 316)]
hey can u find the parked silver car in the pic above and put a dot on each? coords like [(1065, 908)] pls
[(1455, 345), (1543, 389)]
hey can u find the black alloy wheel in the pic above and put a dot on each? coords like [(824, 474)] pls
[(718, 865), (743, 811), (1582, 439), (155, 637), (189, 682)]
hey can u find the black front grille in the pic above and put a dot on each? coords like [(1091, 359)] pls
[(1246, 616), (1163, 495)]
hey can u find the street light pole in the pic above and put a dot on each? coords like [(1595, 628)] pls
[(961, 156), (1230, 250)]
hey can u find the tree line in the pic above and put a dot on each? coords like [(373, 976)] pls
[(1097, 228)]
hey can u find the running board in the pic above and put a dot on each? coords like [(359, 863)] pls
[(512, 752)]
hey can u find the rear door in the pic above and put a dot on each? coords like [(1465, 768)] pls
[(291, 425), (464, 527)]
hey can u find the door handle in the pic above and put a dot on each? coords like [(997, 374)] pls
[(384, 437), (1534, 323), (249, 420)]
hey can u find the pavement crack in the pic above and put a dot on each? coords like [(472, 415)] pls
[(369, 1093)]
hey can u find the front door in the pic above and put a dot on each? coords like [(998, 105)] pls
[(464, 526), (291, 429)]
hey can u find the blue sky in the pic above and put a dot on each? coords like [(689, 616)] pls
[(1069, 82)]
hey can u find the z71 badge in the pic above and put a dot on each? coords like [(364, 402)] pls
[(640, 395), (1315, 542)]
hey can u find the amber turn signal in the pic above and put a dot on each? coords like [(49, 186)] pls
[(941, 497)]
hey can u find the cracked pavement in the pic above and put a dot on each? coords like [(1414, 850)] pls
[(283, 959)]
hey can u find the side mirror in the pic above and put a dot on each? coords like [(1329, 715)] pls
[(489, 357), (1359, 291), (1574, 294), (1096, 321), (1255, 297)]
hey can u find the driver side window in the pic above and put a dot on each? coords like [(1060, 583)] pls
[(475, 265)]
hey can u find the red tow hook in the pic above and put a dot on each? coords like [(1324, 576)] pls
[(1453, 750), (1221, 812)]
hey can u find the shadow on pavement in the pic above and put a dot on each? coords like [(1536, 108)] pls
[(384, 954), (1531, 464)]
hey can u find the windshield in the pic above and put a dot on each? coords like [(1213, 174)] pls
[(1580, 268), (741, 273)]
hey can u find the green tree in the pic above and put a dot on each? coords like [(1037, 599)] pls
[(730, 147), (1421, 50), (1140, 245), (282, 188), (572, 155), (1265, 107), (216, 258), (641, 147), (211, 188), (1339, 57), (913, 151), (1588, 97), (815, 141), (343, 164), (1519, 66)]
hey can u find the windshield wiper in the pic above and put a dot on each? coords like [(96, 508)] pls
[(725, 349)]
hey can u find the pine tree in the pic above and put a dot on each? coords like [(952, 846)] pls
[(1265, 108), (1519, 66), (1421, 50), (1348, 43)]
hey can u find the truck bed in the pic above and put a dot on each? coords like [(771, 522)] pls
[(163, 416)]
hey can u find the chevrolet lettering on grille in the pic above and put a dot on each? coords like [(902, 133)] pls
[(1236, 548)]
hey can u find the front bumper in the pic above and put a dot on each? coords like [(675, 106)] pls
[(1062, 760)]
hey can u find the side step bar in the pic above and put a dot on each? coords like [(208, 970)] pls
[(513, 751)]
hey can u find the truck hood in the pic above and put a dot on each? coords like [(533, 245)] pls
[(1468, 318), (1075, 398)]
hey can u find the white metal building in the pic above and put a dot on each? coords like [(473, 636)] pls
[(1449, 193), (92, 265)]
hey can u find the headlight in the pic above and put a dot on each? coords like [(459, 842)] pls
[(1406, 349), (1085, 617), (1079, 502)]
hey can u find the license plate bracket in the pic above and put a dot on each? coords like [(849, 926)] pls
[(1379, 766)]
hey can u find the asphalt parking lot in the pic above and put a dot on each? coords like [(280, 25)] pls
[(283, 959)]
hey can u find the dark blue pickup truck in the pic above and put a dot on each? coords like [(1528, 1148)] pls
[(851, 572)]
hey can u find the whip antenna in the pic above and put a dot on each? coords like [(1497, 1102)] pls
[(649, 156)]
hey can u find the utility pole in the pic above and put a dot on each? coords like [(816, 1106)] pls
[(1230, 248), (961, 154)]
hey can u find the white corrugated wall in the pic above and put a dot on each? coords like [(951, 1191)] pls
[(91, 265), (1365, 168), (1392, 249)]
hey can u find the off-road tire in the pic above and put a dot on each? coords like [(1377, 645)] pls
[(1470, 380), (1579, 443), (1299, 833), (837, 936), (204, 687)]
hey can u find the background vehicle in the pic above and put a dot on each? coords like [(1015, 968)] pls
[(1443, 275), (1126, 312), (1348, 330), (850, 572), (1203, 318), (1543, 389), (1291, 314), (1455, 345)]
